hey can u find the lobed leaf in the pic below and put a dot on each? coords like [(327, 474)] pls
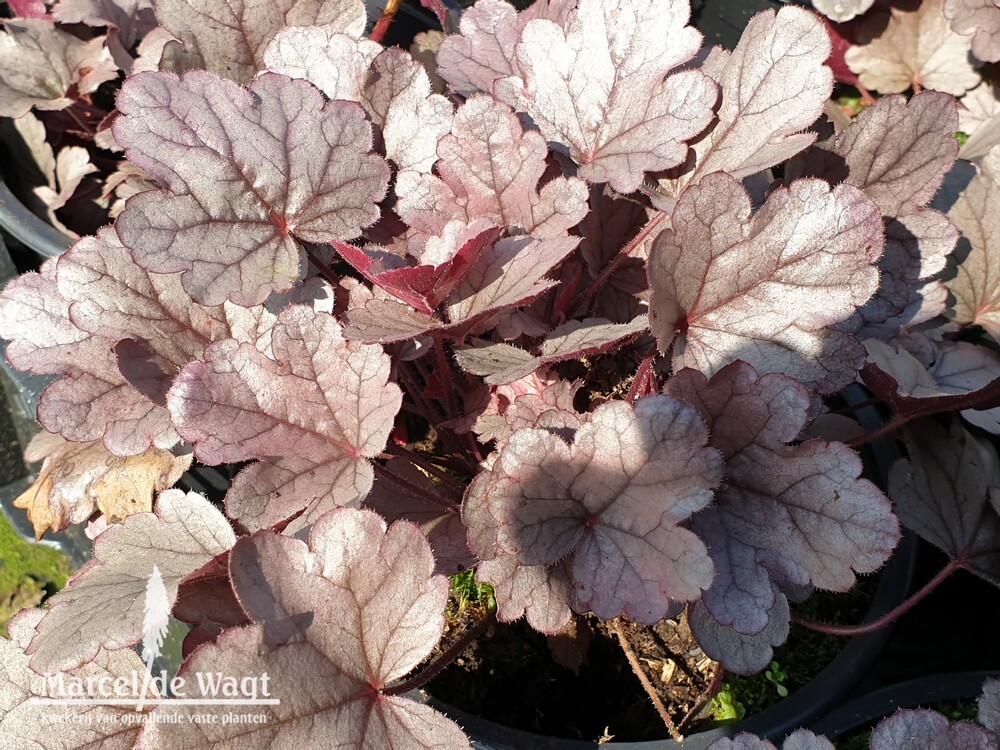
[(599, 85), (902, 730), (842, 10), (258, 169), (335, 623), (289, 412), (981, 19), (765, 289), (102, 605)]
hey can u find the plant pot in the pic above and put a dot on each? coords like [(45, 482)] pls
[(866, 711)]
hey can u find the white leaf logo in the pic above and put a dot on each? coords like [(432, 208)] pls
[(155, 618)]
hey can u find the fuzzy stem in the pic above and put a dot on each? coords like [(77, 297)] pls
[(902, 609), (888, 428), (633, 661), (391, 8), (323, 269), (445, 376), (623, 254), (432, 670), (430, 497), (417, 460), (710, 692), (866, 95)]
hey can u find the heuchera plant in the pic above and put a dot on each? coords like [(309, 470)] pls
[(567, 306)]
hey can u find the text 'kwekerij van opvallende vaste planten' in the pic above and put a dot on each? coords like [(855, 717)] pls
[(560, 295)]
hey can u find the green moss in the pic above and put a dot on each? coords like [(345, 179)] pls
[(466, 592), (28, 572)]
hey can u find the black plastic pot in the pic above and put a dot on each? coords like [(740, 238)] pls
[(863, 713)]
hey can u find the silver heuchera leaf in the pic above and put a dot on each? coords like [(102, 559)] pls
[(774, 85), (778, 499), (611, 500), (39, 63), (230, 37), (338, 621), (989, 707), (842, 10), (902, 730), (800, 739), (600, 86), (726, 286), (977, 284), (948, 493), (490, 168), (337, 64), (290, 413), (87, 727), (980, 18), (916, 47), (102, 605), (258, 170)]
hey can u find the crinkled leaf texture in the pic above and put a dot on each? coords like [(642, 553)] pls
[(916, 47), (334, 624), (40, 63), (913, 729), (600, 85), (785, 514), (773, 86), (765, 288), (314, 415), (981, 18), (977, 285), (842, 10), (229, 38), (77, 476), (254, 171), (800, 739), (949, 493), (490, 168), (989, 707), (898, 152), (605, 508), (102, 605), (24, 724)]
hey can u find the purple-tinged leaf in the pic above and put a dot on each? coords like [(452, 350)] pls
[(484, 50), (490, 168), (947, 492), (540, 593), (102, 605), (383, 322), (785, 513), (977, 286), (742, 654), (290, 413), (339, 621), (611, 500), (774, 85), (442, 526), (130, 18), (25, 723), (915, 729), (76, 477), (989, 707), (980, 18), (39, 64), (71, 166), (265, 167), (529, 402), (502, 363), (913, 46), (230, 38), (800, 739), (842, 10), (335, 63), (448, 258), (600, 86), (728, 286), (29, 9), (950, 376)]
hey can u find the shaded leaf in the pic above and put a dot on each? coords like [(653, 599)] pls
[(989, 707), (981, 19), (540, 593), (490, 168), (913, 729), (130, 18), (337, 621), (797, 514), (599, 86), (775, 312), (915, 46), (270, 165), (529, 402), (947, 492), (800, 739), (611, 501), (230, 38), (289, 412), (773, 86), (102, 605), (76, 477)]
